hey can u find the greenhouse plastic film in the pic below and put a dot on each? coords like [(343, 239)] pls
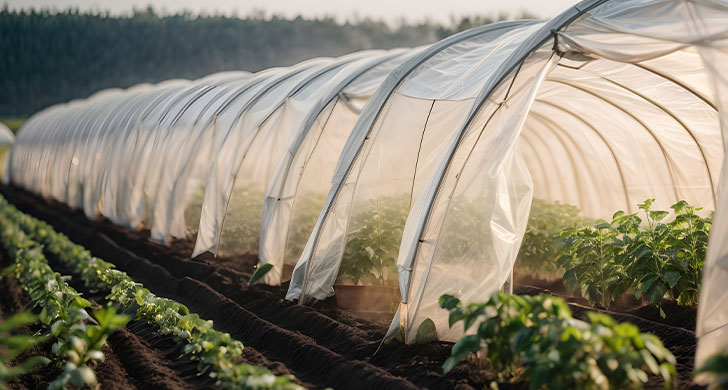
[(476, 223)]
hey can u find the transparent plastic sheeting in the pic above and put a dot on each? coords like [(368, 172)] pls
[(6, 136), (6, 142), (300, 182), (625, 110), (232, 208), (433, 154), (684, 44), (398, 140)]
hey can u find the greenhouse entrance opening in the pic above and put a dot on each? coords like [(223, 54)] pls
[(604, 136)]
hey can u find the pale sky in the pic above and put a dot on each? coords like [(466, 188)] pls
[(389, 10)]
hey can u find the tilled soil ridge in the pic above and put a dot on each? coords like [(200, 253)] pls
[(321, 345)]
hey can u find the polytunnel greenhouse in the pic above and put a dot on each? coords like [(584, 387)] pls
[(6, 142), (413, 171)]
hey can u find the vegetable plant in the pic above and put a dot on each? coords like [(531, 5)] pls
[(594, 267), (82, 344), (372, 246), (541, 245), (535, 339), (62, 308), (651, 257), (667, 258), (12, 345), (216, 352)]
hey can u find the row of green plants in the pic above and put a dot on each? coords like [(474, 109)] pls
[(535, 339), (640, 252), (373, 240), (79, 337), (217, 353)]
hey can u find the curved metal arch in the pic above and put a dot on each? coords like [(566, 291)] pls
[(678, 120), (552, 127), (305, 127), (336, 64), (370, 114), (599, 134), (271, 85), (332, 66), (635, 118), (513, 62), (540, 163)]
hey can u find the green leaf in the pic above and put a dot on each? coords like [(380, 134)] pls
[(456, 315), (679, 206), (656, 292), (81, 303), (646, 284), (8, 270), (448, 302), (658, 215), (426, 332), (461, 349), (672, 278), (260, 272), (450, 363), (17, 320)]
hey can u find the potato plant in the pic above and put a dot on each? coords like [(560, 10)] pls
[(535, 339), (63, 313), (82, 347), (667, 258), (594, 267)]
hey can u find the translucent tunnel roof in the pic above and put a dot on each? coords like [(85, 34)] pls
[(435, 153)]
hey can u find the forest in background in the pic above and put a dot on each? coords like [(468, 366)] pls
[(52, 57)]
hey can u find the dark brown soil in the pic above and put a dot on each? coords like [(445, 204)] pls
[(111, 374), (321, 345), (130, 362), (14, 300)]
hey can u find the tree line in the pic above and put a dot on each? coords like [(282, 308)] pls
[(51, 57)]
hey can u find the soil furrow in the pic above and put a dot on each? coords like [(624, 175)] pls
[(320, 344)]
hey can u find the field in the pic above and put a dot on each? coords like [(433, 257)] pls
[(320, 345), (13, 123)]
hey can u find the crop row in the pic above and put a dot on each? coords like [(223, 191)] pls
[(79, 338), (216, 351)]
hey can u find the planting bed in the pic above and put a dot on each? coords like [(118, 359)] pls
[(134, 358), (321, 345)]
